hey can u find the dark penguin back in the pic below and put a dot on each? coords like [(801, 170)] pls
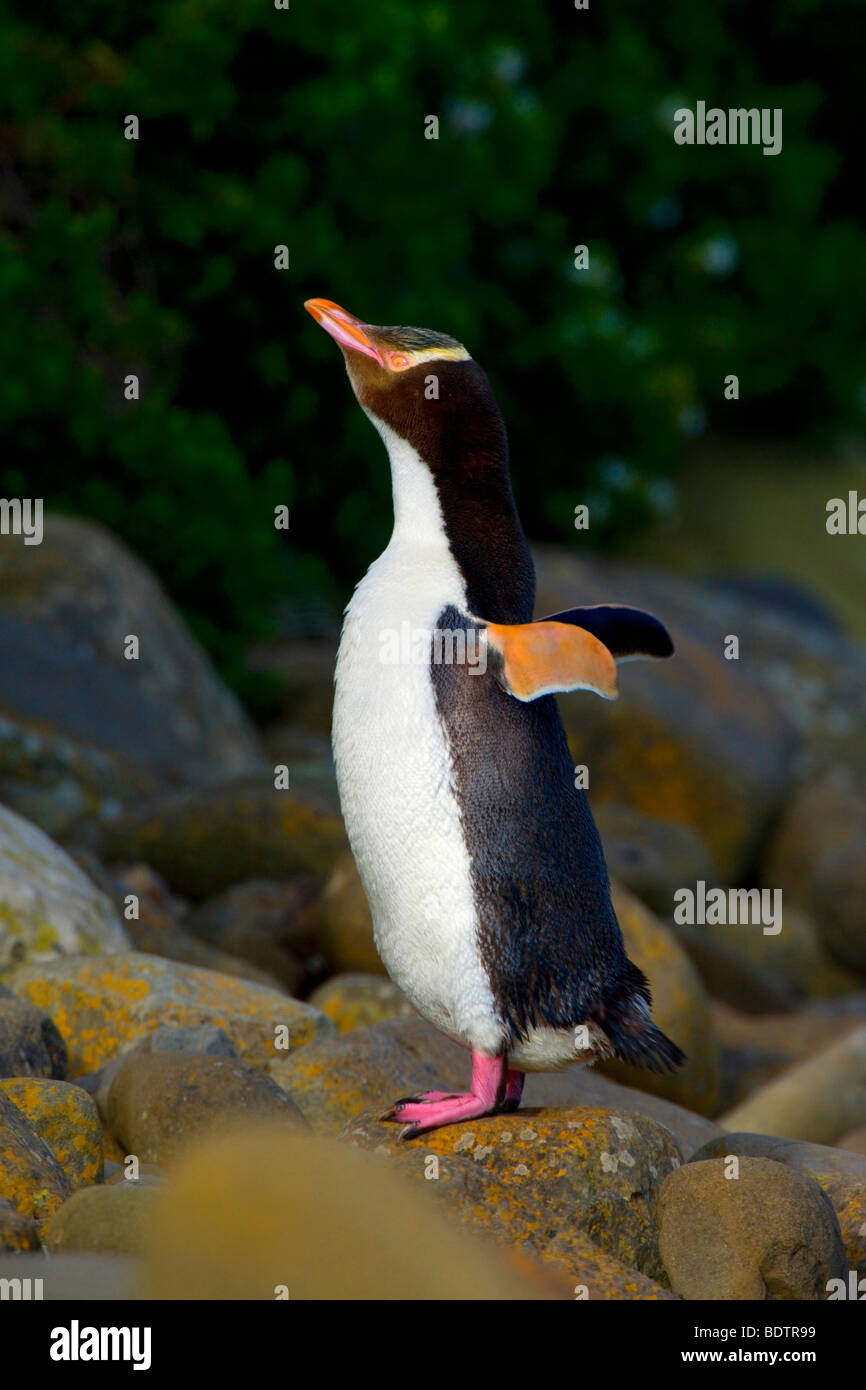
[(548, 936)]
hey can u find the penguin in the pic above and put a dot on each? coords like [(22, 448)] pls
[(478, 854)]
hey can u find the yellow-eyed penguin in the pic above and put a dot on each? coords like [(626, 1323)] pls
[(478, 854)]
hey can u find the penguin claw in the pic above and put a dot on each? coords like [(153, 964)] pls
[(408, 1133), (392, 1113)]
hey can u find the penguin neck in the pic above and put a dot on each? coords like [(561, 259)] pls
[(472, 517)]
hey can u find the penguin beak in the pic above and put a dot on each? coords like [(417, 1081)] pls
[(344, 328)]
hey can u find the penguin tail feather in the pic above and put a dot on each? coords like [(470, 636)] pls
[(633, 1036), (650, 1048)]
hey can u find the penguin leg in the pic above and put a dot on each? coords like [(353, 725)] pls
[(433, 1109), (513, 1091)]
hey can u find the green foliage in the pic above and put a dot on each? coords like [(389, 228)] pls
[(306, 127)]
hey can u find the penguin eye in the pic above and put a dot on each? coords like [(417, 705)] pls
[(398, 361)]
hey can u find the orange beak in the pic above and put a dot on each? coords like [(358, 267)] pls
[(343, 327)]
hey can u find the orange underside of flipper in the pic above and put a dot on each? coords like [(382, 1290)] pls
[(543, 658)]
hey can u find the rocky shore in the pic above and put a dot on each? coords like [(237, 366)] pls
[(197, 1037)]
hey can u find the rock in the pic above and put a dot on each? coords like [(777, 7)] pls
[(102, 1004), (817, 858), (346, 927), (854, 1140), (60, 785), (203, 841), (680, 1008), (136, 1171), (841, 1175), (265, 1213), (356, 1000), (755, 1049), (160, 928), (767, 1233), (112, 1152), (817, 1099), (68, 1121), (270, 924), (107, 1219), (158, 1102), (840, 885), (652, 858), (67, 607), (48, 908), (733, 979), (501, 1201), (794, 961), (799, 955), (30, 1044), (342, 1076), (31, 1179), (697, 740), (17, 1232), (532, 1178), (71, 1278), (206, 1040)]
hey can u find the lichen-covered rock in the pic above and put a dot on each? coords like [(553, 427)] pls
[(30, 1044), (750, 1230), (534, 1177), (67, 607), (842, 1175), (48, 907), (357, 1000), (60, 785), (31, 1179), (156, 923), (203, 841), (158, 1102), (585, 1086), (103, 1004), (205, 1040), (17, 1232), (265, 1214), (336, 1078), (111, 1218), (680, 1008), (67, 1119)]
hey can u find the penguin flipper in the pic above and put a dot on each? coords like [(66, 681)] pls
[(628, 633), (534, 659)]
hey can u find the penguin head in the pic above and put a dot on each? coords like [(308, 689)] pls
[(422, 385)]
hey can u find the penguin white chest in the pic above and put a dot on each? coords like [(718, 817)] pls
[(394, 769)]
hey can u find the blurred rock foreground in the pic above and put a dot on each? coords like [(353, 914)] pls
[(188, 975)]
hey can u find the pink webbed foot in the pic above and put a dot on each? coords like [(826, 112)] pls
[(433, 1109)]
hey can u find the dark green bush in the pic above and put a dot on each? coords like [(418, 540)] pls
[(305, 127)]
